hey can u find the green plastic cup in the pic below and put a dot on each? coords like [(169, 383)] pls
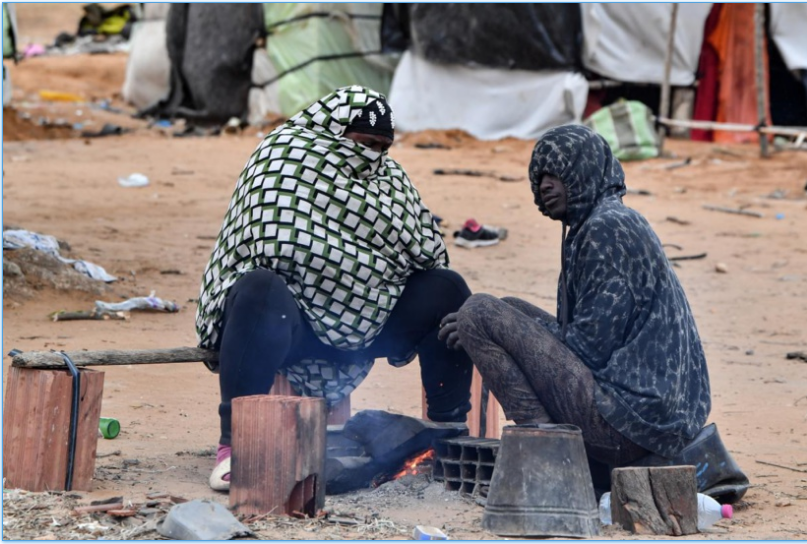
[(110, 427)]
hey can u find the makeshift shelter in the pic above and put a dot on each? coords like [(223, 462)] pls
[(220, 68), (316, 48), (493, 70), (9, 46)]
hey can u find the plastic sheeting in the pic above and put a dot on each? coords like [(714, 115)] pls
[(9, 30), (628, 42), (488, 103), (788, 27), (516, 36), (349, 28), (148, 69)]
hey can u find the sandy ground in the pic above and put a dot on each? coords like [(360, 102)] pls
[(158, 238)]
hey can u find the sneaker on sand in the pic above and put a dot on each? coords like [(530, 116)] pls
[(475, 235), (220, 477)]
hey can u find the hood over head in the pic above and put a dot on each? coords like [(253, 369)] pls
[(583, 161)]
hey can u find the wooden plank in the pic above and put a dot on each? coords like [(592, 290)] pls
[(36, 426), (278, 463), (655, 500), (492, 414), (49, 359)]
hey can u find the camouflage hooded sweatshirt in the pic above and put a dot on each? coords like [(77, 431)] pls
[(627, 316)]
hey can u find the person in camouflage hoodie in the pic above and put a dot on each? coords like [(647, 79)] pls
[(328, 259), (623, 359)]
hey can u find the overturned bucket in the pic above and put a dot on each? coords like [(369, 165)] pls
[(541, 484)]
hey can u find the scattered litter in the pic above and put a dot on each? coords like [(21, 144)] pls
[(106, 105), (233, 126), (18, 239), (721, 268), (778, 194), (780, 216), (134, 180), (640, 192), (162, 123), (60, 96), (171, 271), (799, 355), (431, 145), (138, 303), (96, 314), (33, 50), (738, 211), (673, 219), (423, 532), (201, 520), (107, 130)]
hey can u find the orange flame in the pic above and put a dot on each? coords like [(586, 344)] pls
[(413, 466)]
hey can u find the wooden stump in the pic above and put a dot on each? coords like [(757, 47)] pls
[(655, 500), (337, 415), (36, 428), (278, 462)]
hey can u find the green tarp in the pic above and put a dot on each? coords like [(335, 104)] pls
[(8, 34), (299, 33), (628, 128)]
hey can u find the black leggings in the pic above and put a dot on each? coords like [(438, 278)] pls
[(263, 330)]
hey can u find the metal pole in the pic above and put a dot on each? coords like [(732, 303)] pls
[(759, 62), (664, 105)]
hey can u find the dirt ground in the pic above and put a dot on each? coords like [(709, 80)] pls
[(159, 237)]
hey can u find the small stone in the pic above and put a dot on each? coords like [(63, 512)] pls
[(721, 268), (749, 352), (783, 503)]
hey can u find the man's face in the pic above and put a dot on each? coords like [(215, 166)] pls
[(373, 141), (553, 194)]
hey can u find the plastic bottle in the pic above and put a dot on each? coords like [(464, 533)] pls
[(709, 511)]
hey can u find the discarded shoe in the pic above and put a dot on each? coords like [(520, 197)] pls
[(717, 473), (475, 235), (220, 477)]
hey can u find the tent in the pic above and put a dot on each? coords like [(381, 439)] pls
[(9, 46), (208, 62), (492, 70)]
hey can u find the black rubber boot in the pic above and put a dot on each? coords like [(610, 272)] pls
[(718, 474)]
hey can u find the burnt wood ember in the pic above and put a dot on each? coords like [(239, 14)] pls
[(380, 443)]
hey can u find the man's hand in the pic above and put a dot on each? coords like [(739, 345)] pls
[(449, 332)]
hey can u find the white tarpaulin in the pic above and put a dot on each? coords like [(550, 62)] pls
[(628, 42), (487, 103), (788, 26)]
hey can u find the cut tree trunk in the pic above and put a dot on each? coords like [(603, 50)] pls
[(36, 429), (655, 500), (278, 461)]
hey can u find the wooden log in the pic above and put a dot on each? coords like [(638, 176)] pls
[(49, 359), (760, 74), (36, 428), (664, 106), (492, 411), (655, 500), (278, 462), (338, 414)]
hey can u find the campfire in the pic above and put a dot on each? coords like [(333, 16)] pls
[(418, 464)]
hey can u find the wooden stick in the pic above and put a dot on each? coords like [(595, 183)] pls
[(101, 315), (781, 466), (664, 106), (759, 69), (731, 127), (737, 211), (48, 359), (78, 510)]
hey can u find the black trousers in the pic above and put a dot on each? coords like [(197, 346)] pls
[(535, 376), (263, 330)]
